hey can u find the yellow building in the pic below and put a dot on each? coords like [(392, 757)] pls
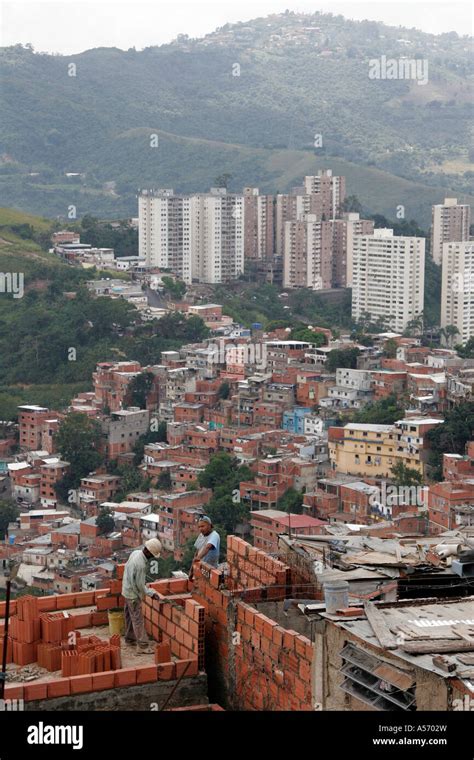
[(371, 451)]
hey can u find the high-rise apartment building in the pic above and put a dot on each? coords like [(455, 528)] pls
[(332, 190), (457, 289), (343, 232), (198, 237), (217, 236), (388, 277), (450, 224), (307, 254), (259, 224), (164, 231)]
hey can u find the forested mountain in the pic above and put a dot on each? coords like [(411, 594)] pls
[(247, 100)]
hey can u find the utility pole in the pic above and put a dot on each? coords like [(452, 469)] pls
[(3, 674)]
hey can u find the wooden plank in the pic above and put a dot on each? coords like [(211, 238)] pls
[(394, 676), (443, 663), (442, 645), (386, 638), (466, 632), (440, 632), (466, 659)]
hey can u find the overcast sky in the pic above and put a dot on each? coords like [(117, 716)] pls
[(71, 26)]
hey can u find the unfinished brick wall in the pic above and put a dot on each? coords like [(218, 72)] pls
[(272, 665), (89, 663), (177, 619), (252, 568), (252, 662)]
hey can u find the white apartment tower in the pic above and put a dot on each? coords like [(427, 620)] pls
[(164, 231), (217, 236), (450, 224), (198, 236), (457, 289), (388, 277)]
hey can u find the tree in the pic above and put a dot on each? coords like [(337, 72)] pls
[(78, 439), (132, 479), (414, 326), (8, 513), (342, 357), (303, 333), (139, 388), (224, 390), (405, 476), (223, 476), (390, 349), (383, 412), (177, 288), (351, 203), (450, 436), (449, 332), (151, 436), (291, 501), (105, 521), (467, 351), (164, 482)]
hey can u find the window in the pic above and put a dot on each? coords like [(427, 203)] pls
[(375, 682)]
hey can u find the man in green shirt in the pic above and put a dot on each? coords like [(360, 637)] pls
[(134, 590)]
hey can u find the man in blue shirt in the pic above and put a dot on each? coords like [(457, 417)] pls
[(207, 544)]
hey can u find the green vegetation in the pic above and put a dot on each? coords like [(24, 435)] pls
[(467, 351), (291, 501), (53, 396), (139, 388), (223, 476), (451, 436), (305, 334), (405, 476), (131, 479), (342, 357), (61, 331), (176, 288), (105, 521), (152, 436), (390, 349), (122, 238), (9, 512), (254, 129), (384, 412), (224, 390), (78, 440)]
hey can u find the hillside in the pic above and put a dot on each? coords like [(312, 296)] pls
[(300, 75)]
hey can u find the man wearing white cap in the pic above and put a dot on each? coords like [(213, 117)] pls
[(134, 590)]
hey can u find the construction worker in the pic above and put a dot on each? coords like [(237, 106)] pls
[(207, 544), (134, 591)]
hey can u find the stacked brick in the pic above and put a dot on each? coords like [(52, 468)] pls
[(272, 665), (88, 663), (176, 619), (25, 631), (90, 654), (252, 568)]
